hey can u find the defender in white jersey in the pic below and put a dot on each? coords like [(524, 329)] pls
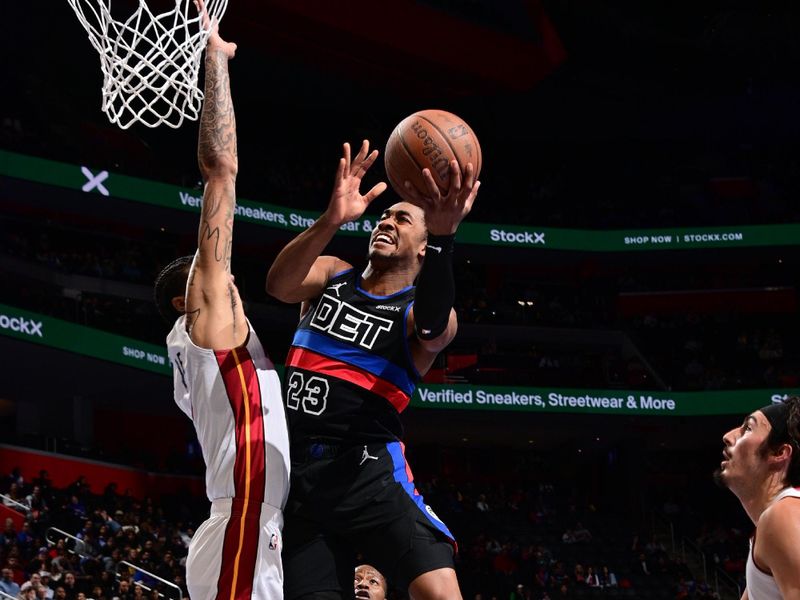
[(224, 380), (762, 467)]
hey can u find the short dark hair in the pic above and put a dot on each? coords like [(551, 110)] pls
[(791, 436), (171, 282)]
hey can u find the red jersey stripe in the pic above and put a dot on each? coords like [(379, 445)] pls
[(240, 547), (311, 361)]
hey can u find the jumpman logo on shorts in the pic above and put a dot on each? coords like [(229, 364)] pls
[(365, 455)]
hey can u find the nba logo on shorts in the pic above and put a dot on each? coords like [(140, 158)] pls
[(273, 541)]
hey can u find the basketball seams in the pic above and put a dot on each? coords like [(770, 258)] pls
[(405, 148), (441, 133), (417, 180), (430, 132)]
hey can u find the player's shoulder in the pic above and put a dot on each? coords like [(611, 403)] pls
[(178, 335), (333, 266), (333, 270), (781, 516), (778, 532)]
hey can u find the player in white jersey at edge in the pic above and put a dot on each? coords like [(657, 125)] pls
[(761, 466), (224, 380)]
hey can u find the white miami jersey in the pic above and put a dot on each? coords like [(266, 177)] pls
[(233, 397), (760, 584)]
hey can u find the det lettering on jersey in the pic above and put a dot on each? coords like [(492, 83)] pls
[(348, 323)]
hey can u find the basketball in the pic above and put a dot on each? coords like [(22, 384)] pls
[(430, 138)]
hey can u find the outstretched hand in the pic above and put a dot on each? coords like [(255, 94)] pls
[(215, 42), (444, 213), (347, 204)]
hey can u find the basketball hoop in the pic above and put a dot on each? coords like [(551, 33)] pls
[(150, 62)]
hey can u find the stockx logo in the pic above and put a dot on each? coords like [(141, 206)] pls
[(94, 181), (21, 325)]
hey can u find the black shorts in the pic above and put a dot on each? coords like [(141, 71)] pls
[(346, 500)]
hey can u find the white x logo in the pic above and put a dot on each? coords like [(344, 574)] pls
[(95, 181)]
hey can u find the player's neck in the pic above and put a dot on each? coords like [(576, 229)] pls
[(760, 497), (385, 281)]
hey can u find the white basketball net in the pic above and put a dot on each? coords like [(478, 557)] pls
[(150, 62)]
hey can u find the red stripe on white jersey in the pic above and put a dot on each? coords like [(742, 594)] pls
[(240, 548)]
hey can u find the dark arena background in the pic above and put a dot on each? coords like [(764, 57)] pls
[(626, 283)]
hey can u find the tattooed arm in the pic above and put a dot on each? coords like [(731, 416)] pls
[(214, 314)]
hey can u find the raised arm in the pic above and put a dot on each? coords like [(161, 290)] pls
[(299, 272), (432, 317), (214, 314)]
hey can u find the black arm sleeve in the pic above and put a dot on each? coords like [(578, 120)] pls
[(436, 289)]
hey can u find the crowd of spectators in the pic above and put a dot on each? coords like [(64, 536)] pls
[(105, 534), (717, 352), (82, 251), (706, 522), (521, 540), (527, 540)]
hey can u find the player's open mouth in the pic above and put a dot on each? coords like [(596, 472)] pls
[(383, 238), (362, 594)]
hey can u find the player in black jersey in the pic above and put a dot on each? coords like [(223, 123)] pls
[(365, 338)]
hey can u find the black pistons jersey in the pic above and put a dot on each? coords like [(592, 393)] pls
[(349, 373)]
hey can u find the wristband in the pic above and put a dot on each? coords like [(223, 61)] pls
[(436, 291)]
